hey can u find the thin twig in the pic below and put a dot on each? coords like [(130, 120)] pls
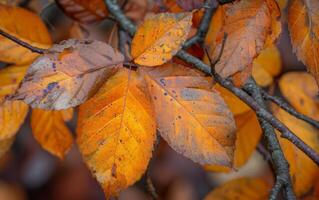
[(150, 186), (210, 6), (22, 43), (282, 104)]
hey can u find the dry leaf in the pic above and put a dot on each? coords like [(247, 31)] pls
[(50, 130), (302, 169), (136, 9), (84, 11), (30, 30), (303, 23), (300, 90), (192, 118), (68, 74), (160, 37), (248, 25), (247, 138), (241, 189), (116, 130), (266, 66), (189, 5)]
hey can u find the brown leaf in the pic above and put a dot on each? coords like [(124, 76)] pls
[(49, 129), (303, 23), (26, 26), (68, 74), (192, 118), (160, 37), (116, 130)]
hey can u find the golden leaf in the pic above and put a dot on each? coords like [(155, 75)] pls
[(26, 26), (191, 117), (116, 130), (266, 66), (302, 169), (50, 131), (303, 23), (300, 90), (160, 37), (68, 74), (241, 189)]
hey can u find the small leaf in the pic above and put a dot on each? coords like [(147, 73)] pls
[(241, 189), (300, 90), (30, 30), (84, 11), (68, 74), (302, 169), (116, 131), (160, 37), (303, 23), (50, 131), (192, 118)]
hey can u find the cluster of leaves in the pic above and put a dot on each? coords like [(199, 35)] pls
[(120, 109)]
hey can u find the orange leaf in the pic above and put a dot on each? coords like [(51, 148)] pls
[(30, 30), (266, 66), (302, 169), (192, 118), (303, 23), (160, 37), (68, 74), (50, 131), (300, 90), (241, 189), (116, 130)]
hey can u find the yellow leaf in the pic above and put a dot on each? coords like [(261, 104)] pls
[(68, 74), (116, 130), (241, 189), (266, 66), (160, 37), (302, 169), (249, 27), (282, 4), (300, 90), (191, 117), (303, 23), (26, 26), (50, 131)]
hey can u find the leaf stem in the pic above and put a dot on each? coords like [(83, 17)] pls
[(22, 43)]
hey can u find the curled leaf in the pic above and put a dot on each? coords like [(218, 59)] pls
[(68, 74)]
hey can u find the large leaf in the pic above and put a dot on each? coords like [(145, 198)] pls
[(302, 169), (68, 74), (116, 130), (250, 25), (303, 23), (160, 37), (192, 118), (26, 26), (241, 189), (50, 131), (301, 90)]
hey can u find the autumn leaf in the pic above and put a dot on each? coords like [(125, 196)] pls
[(266, 66), (241, 189), (302, 169), (5, 145), (116, 130), (160, 37), (303, 23), (305, 100), (191, 117), (50, 130), (30, 30), (84, 11), (247, 25), (68, 74)]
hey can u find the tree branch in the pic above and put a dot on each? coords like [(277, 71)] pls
[(282, 104), (210, 6), (278, 159), (22, 43)]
